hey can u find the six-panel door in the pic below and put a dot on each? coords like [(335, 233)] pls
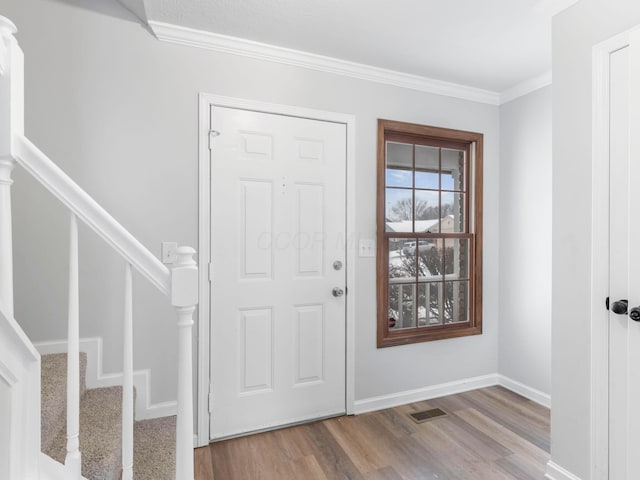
[(277, 227)]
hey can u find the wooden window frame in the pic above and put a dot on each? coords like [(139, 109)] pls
[(441, 137)]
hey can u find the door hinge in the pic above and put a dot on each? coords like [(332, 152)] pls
[(212, 134), (210, 272), (210, 402)]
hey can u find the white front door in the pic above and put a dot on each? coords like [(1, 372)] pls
[(278, 241), (624, 260)]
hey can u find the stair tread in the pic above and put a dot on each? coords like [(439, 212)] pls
[(100, 434), (54, 394), (155, 449)]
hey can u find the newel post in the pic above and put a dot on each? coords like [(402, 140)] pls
[(11, 124), (184, 297)]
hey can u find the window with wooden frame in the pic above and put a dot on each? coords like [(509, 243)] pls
[(429, 233)]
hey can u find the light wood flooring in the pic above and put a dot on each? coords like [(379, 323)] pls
[(488, 434)]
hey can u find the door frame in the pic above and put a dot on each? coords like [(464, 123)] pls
[(205, 102), (599, 362)]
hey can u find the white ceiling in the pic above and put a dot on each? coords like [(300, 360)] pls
[(488, 44)]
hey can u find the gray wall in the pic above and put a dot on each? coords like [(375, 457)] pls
[(117, 109), (575, 32), (525, 240)]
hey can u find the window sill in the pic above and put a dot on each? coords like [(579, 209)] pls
[(419, 335)]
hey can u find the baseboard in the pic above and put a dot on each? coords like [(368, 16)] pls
[(96, 378), (450, 388), (426, 393), (556, 472), (526, 391)]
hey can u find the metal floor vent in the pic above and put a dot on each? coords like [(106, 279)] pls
[(426, 415)]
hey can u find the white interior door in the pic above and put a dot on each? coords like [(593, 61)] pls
[(624, 258), (278, 211)]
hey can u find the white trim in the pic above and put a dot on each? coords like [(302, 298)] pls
[(526, 391), (426, 393), (526, 87), (96, 378), (262, 51), (204, 257), (20, 400), (451, 388), (556, 472)]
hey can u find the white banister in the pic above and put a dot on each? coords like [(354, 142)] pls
[(127, 383), (11, 124), (184, 297), (73, 461), (180, 284), (91, 213)]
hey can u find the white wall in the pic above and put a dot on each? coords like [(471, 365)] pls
[(117, 109), (525, 240), (575, 32)]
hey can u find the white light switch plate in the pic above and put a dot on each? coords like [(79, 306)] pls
[(168, 253), (367, 248)]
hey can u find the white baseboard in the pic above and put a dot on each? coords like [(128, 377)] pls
[(426, 393), (450, 388), (96, 378), (526, 391), (556, 472)]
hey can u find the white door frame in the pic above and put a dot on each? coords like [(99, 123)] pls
[(600, 263), (206, 101)]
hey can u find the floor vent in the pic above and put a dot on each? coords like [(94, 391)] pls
[(426, 415)]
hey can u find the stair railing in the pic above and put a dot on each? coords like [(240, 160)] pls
[(180, 284)]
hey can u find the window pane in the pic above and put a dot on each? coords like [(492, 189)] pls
[(452, 170), (453, 212), (399, 210), (398, 178), (429, 301), (427, 167), (456, 258), (456, 302), (402, 313), (427, 210), (429, 259), (402, 259), (400, 156)]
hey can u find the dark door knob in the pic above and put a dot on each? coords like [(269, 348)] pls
[(634, 314), (620, 307)]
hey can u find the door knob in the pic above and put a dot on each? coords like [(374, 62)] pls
[(634, 314), (338, 292), (620, 307)]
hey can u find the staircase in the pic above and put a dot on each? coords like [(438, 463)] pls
[(100, 428), (51, 426)]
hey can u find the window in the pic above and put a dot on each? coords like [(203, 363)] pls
[(429, 233)]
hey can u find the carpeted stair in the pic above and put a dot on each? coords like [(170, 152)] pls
[(101, 428)]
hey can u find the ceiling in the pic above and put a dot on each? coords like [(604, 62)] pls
[(494, 45)]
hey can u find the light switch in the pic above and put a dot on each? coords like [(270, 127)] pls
[(168, 253), (367, 247)]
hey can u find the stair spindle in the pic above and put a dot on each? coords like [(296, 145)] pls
[(73, 459), (127, 385)]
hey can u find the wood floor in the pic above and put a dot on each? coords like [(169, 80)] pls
[(489, 434)]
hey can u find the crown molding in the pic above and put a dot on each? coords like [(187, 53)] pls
[(237, 46), (525, 87)]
